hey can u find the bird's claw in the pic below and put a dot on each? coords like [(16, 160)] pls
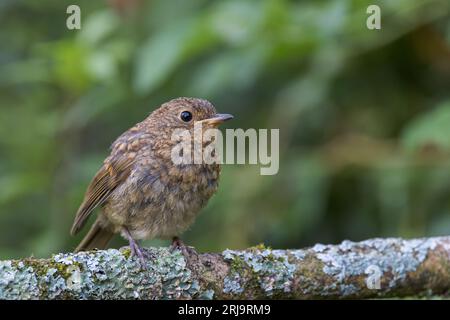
[(136, 251), (185, 250)]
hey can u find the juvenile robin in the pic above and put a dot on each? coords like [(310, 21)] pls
[(141, 192)]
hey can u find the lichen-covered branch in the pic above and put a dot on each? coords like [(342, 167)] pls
[(372, 268)]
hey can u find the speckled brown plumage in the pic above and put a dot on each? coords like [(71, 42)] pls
[(142, 193)]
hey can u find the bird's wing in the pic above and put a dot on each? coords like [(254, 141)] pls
[(111, 174)]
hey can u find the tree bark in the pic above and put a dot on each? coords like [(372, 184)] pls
[(389, 267)]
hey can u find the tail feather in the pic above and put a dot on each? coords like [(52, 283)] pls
[(96, 238)]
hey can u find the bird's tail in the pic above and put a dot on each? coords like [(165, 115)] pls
[(97, 237)]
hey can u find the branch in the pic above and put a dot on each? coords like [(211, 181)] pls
[(372, 268)]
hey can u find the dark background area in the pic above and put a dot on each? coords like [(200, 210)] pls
[(364, 115)]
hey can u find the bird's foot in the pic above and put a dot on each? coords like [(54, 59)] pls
[(136, 250), (187, 251)]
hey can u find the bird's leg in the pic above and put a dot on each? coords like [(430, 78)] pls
[(185, 250), (136, 250), (176, 243)]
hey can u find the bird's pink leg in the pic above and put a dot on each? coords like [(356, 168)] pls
[(136, 250)]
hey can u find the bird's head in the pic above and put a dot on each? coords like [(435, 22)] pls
[(179, 120), (184, 113)]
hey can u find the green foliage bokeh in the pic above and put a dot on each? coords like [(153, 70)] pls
[(364, 115)]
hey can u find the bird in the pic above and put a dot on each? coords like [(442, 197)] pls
[(141, 192)]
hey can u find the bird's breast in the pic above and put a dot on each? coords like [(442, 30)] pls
[(163, 202)]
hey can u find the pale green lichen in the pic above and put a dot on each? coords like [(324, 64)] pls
[(25, 282), (392, 256), (321, 271), (100, 275), (207, 295)]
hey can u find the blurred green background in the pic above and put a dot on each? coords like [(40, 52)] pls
[(364, 115)]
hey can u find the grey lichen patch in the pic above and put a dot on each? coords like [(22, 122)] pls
[(17, 281), (100, 275), (73, 282), (233, 284), (266, 271), (385, 262), (298, 254), (207, 295)]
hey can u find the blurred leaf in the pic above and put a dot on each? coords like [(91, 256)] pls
[(97, 26), (342, 96), (228, 71), (237, 22), (429, 129), (101, 65), (69, 72), (91, 105), (158, 57)]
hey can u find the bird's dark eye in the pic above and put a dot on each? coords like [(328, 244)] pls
[(186, 116)]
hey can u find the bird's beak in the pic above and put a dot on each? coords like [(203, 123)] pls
[(218, 119)]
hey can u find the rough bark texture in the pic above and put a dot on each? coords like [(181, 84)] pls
[(372, 268)]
